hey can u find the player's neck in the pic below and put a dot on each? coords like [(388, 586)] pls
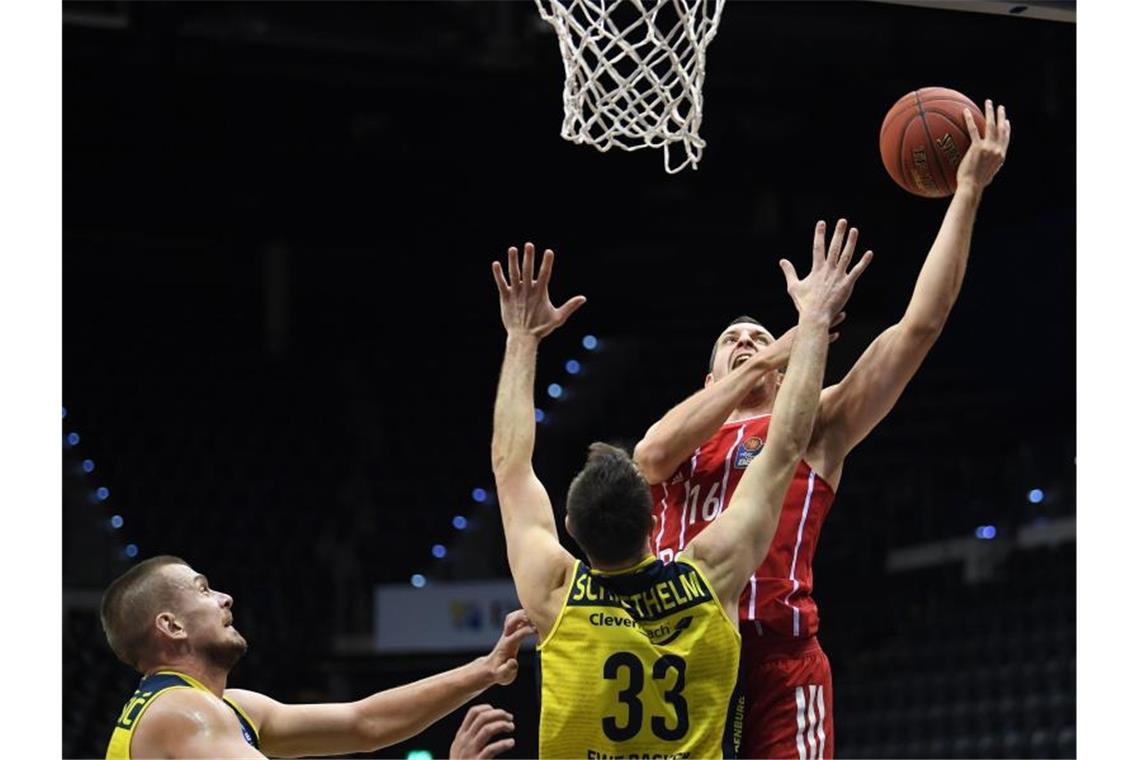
[(619, 567), (212, 677), (752, 406)]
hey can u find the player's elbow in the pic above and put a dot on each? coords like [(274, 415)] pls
[(503, 461), (373, 732), (922, 330), (789, 447), (498, 462), (649, 457)]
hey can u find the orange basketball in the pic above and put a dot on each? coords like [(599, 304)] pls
[(924, 137)]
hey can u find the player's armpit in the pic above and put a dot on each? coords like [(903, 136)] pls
[(191, 724), (850, 410)]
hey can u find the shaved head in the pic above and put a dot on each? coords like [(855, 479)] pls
[(131, 603)]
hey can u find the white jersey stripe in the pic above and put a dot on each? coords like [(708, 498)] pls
[(812, 746), (747, 419), (752, 602), (685, 501), (822, 710), (796, 554), (800, 722), (664, 511), (727, 468)]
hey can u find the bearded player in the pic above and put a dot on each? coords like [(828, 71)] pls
[(695, 456)]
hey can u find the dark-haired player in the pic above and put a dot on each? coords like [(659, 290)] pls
[(639, 658)]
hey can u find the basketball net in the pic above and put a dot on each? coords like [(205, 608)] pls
[(634, 72)]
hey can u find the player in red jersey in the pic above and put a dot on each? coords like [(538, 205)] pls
[(695, 454)]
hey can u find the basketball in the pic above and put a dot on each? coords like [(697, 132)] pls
[(923, 138)]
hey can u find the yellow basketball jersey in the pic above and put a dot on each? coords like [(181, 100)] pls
[(148, 690), (643, 663)]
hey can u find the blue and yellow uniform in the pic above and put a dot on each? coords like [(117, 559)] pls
[(641, 663), (149, 688)]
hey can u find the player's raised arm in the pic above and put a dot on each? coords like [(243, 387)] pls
[(851, 409), (732, 547), (672, 439), (386, 717), (539, 564)]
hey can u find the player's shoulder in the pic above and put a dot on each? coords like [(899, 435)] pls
[(252, 702), (174, 706), (179, 714)]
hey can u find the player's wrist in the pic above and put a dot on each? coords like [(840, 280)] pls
[(970, 189), (484, 672), (762, 361), (521, 337), (815, 318)]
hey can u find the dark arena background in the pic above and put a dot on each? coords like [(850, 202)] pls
[(282, 339)]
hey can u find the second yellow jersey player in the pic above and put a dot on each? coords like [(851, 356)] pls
[(642, 663)]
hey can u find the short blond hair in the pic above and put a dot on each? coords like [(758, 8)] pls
[(130, 604)]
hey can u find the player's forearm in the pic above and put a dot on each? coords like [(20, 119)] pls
[(512, 442), (692, 422), (397, 714), (754, 511), (793, 414), (942, 273)]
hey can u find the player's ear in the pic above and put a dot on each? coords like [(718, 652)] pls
[(708, 379), (566, 522), (169, 627)]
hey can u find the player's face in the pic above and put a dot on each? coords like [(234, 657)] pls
[(207, 616), (735, 345)]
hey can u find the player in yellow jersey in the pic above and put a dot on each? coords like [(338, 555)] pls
[(163, 619), (639, 658)]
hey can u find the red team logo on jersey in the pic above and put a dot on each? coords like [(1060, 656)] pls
[(747, 450), (778, 596)]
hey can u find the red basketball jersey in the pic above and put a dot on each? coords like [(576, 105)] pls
[(778, 595)]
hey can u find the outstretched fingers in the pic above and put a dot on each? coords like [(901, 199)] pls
[(789, 269), (513, 265), (545, 270), (860, 268), (837, 240), (1003, 129), (500, 281), (818, 246), (528, 263), (564, 311), (971, 125), (848, 249)]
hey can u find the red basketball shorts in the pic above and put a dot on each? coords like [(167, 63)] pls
[(787, 685)]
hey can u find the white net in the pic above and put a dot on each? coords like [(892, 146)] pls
[(634, 72)]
